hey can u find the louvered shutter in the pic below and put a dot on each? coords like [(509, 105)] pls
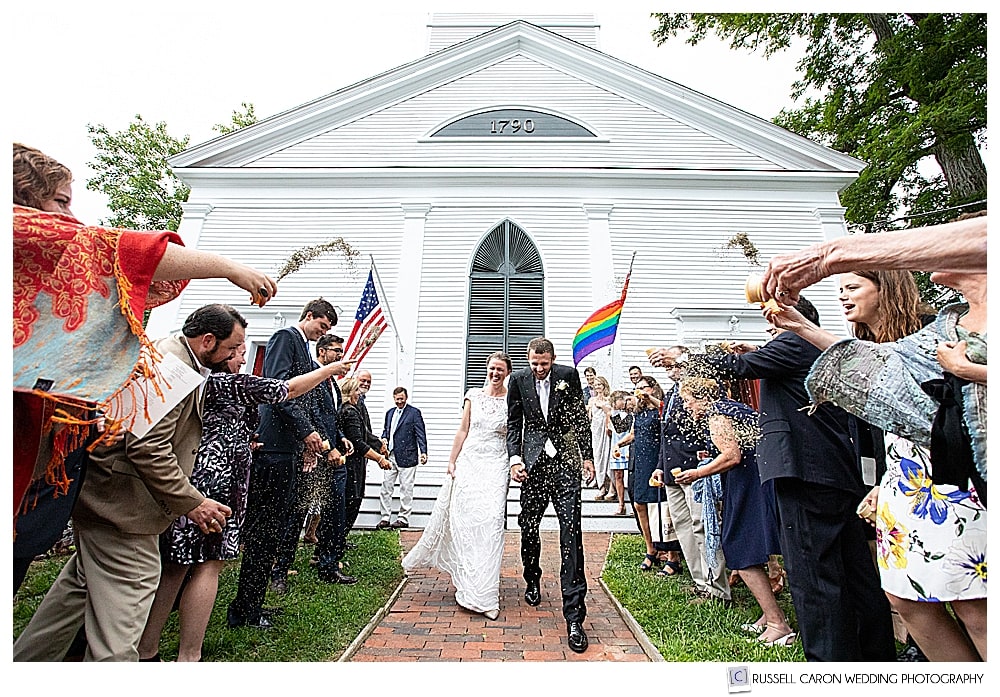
[(506, 300)]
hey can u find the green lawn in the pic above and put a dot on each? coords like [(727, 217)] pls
[(319, 621), (681, 631)]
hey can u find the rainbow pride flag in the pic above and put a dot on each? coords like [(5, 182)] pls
[(600, 328)]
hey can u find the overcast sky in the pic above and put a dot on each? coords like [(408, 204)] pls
[(190, 63)]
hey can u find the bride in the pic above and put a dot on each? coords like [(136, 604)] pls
[(464, 536)]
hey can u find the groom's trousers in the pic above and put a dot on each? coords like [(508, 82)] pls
[(560, 483)]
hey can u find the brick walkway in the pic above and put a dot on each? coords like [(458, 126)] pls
[(425, 623)]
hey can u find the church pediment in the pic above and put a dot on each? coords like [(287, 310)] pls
[(605, 112)]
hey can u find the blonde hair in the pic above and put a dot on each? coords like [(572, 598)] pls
[(349, 386), (700, 388)]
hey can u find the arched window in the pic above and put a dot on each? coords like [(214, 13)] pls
[(506, 300)]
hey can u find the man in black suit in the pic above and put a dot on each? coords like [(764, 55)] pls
[(842, 613), (288, 433), (323, 485), (548, 434)]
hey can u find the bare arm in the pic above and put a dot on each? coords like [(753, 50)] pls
[(958, 246), (460, 436), (724, 437), (951, 356), (793, 321), (181, 263), (301, 384)]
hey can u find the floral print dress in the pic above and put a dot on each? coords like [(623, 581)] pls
[(222, 467), (931, 539)]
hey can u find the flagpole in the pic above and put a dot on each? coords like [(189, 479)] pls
[(388, 312)]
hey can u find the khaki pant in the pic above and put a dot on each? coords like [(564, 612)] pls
[(690, 531), (107, 586)]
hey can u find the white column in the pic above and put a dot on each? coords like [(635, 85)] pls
[(406, 303), (602, 276), (163, 320)]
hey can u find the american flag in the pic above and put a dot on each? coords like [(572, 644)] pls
[(369, 323)]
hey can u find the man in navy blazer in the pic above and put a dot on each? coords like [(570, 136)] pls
[(842, 613), (288, 434), (405, 438)]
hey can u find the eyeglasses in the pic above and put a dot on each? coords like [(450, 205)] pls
[(333, 350), (364, 382)]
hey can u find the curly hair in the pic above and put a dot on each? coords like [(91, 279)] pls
[(37, 176), (700, 388), (900, 306)]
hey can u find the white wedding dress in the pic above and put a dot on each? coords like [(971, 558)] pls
[(465, 534)]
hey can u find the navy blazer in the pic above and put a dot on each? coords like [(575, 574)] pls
[(527, 427), (284, 426), (324, 412), (814, 446), (410, 439)]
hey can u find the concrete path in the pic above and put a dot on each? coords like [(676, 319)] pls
[(425, 624)]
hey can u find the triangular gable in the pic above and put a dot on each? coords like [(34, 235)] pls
[(700, 112)]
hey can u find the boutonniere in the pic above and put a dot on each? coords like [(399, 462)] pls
[(561, 385)]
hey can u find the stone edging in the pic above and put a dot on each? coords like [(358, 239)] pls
[(362, 637), (647, 646)]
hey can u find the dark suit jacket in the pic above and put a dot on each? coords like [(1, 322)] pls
[(352, 423), (140, 485), (324, 412), (567, 426), (410, 439), (814, 447), (284, 426)]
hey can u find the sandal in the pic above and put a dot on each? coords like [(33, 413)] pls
[(648, 563), (753, 627), (784, 640), (674, 566), (621, 512)]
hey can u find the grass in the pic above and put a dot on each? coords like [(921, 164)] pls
[(319, 621), (681, 631)]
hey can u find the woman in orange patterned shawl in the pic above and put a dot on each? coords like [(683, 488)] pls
[(79, 297)]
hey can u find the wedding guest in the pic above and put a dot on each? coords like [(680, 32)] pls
[(108, 277), (931, 534), (221, 470), (955, 246), (134, 489), (634, 373), (620, 422), (290, 439), (405, 439), (599, 408), (809, 456), (589, 373), (749, 530), (645, 446), (357, 470), (681, 448)]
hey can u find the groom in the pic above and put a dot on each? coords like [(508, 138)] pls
[(548, 433)]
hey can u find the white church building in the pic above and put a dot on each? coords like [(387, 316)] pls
[(501, 183)]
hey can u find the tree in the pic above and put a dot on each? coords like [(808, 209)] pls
[(240, 119), (132, 171), (894, 90)]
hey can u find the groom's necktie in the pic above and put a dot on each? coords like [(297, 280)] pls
[(543, 396)]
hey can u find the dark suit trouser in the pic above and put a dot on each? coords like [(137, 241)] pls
[(842, 612), (309, 487), (271, 499), (332, 532), (560, 484)]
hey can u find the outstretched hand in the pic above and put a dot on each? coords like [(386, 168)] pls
[(260, 286), (787, 274)]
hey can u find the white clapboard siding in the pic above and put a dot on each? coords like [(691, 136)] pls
[(629, 134), (449, 28)]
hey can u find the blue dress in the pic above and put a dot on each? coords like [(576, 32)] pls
[(645, 455), (749, 522)]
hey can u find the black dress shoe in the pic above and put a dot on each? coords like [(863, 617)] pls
[(577, 637), (269, 613), (533, 594), (337, 577), (236, 622), (279, 586)]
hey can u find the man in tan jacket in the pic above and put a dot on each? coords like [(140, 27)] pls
[(133, 490)]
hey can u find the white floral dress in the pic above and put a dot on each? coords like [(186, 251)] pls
[(464, 536), (931, 539)]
